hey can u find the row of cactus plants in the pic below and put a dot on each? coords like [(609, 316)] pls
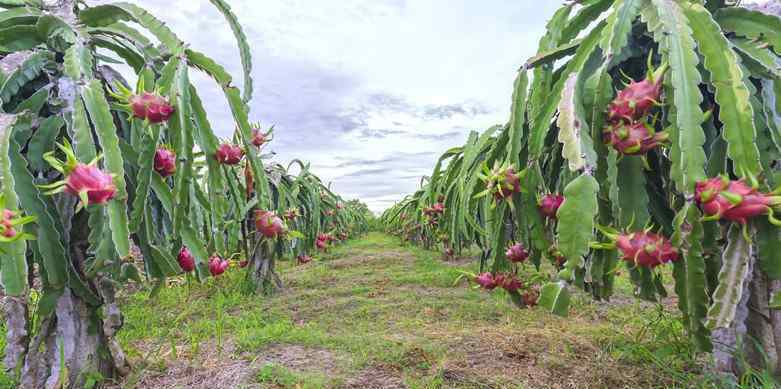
[(648, 135), (105, 182)]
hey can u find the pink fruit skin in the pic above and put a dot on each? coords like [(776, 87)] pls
[(303, 259), (486, 281), (321, 244), (633, 139), (268, 224), (517, 253), (634, 101), (229, 154), (86, 178), (511, 284), (710, 195), (152, 107), (217, 265), (550, 204), (258, 137), (165, 162), (646, 249), (186, 260)]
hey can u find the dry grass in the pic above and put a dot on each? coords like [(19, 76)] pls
[(376, 315)]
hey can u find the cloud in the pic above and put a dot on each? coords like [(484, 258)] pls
[(369, 91)]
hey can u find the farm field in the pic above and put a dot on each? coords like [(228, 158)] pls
[(376, 314)]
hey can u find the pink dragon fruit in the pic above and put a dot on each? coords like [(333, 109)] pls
[(7, 225), (509, 282), (150, 106), (646, 249), (165, 162), (549, 205), (259, 138), (321, 244), (186, 260), (635, 138), (517, 253), (636, 99), (735, 201), (269, 224), (229, 154), (486, 281), (217, 265), (303, 259), (89, 179)]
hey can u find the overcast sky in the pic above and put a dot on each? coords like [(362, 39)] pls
[(370, 91)]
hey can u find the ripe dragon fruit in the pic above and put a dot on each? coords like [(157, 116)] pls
[(90, 180), (269, 224), (530, 298), (517, 253), (243, 263), (303, 259), (486, 281), (229, 154), (151, 107), (165, 162), (635, 138), (217, 265), (636, 99), (506, 281), (259, 138), (735, 201), (6, 224), (186, 260), (321, 244), (339, 206), (549, 205), (646, 249), (449, 253)]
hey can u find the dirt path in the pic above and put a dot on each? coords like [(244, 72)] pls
[(378, 315)]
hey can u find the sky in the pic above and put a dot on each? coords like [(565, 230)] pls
[(371, 92)]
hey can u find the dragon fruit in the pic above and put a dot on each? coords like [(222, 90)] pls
[(635, 138), (339, 206), (646, 249), (321, 244), (636, 99), (449, 253), (486, 281), (165, 162), (151, 107), (217, 265), (735, 201), (229, 154), (243, 263), (291, 214), (90, 180), (186, 260), (509, 282), (549, 205), (7, 224), (269, 224), (504, 182), (303, 259), (517, 253), (530, 298), (259, 138)]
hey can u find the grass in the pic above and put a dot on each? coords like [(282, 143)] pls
[(374, 311)]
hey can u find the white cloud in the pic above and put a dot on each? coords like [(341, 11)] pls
[(391, 81)]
